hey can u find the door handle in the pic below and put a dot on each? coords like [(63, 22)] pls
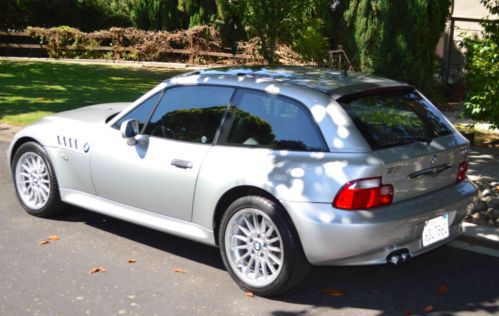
[(184, 164)]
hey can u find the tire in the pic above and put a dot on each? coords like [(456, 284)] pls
[(271, 247), (35, 182)]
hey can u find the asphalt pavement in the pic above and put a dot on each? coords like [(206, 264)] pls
[(174, 276)]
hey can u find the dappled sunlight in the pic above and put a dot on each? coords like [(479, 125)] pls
[(338, 143), (6, 75), (318, 112), (272, 89), (32, 100), (335, 170), (48, 87), (326, 217), (297, 172)]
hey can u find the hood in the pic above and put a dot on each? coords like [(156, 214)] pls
[(92, 114)]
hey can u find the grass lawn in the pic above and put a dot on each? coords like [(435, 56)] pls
[(31, 90)]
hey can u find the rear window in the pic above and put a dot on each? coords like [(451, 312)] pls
[(394, 118)]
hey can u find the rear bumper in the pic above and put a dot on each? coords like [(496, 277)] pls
[(336, 237)]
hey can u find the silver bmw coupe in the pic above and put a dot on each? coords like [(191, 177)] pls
[(281, 168)]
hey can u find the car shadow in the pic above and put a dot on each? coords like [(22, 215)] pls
[(195, 251), (446, 280)]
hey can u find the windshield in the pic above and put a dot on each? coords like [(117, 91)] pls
[(394, 118)]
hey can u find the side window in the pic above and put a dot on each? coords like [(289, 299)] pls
[(140, 113), (265, 120), (191, 114)]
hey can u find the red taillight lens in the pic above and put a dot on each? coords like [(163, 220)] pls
[(461, 171), (363, 194)]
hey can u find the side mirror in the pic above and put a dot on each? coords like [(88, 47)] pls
[(129, 129)]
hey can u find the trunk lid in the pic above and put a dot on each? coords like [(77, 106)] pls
[(419, 168)]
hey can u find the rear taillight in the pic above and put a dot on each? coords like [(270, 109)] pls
[(461, 171), (363, 194)]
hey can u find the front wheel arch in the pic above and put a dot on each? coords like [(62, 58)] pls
[(52, 203), (21, 141)]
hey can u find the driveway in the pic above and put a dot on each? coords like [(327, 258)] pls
[(173, 276)]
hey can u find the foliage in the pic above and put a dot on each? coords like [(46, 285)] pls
[(395, 47), (31, 90), (274, 22), (482, 71), (134, 44), (311, 43), (155, 14), (86, 15), (141, 45), (199, 12)]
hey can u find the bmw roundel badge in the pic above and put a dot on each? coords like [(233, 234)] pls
[(86, 147)]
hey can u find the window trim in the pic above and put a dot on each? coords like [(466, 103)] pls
[(229, 121)]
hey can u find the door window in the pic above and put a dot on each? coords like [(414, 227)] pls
[(264, 120), (190, 114), (140, 113)]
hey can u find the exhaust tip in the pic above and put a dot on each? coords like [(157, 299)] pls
[(399, 257)]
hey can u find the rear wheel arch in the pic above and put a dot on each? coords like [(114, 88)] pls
[(265, 257), (235, 193)]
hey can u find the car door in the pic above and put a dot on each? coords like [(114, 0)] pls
[(159, 172)]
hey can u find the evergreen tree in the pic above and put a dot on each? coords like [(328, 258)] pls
[(397, 39), (199, 12), (156, 15)]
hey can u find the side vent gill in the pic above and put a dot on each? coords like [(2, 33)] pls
[(68, 142)]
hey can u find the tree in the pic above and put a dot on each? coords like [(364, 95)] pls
[(270, 20), (156, 14), (199, 12), (18, 14), (397, 39), (482, 70)]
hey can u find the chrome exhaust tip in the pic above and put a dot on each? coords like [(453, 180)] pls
[(399, 257)]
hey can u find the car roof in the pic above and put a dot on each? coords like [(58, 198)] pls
[(333, 82)]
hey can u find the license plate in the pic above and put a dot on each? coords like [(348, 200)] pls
[(436, 229)]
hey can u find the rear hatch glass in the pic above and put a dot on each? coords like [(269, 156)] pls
[(393, 118), (411, 136)]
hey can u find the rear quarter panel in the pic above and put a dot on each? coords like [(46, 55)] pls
[(289, 176)]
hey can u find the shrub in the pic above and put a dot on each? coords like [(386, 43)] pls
[(134, 44), (311, 43), (482, 71)]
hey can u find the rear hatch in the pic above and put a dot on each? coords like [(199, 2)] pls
[(421, 151)]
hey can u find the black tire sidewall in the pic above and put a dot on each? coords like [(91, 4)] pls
[(53, 203), (291, 244)]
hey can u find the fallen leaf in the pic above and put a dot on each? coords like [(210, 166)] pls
[(429, 309), (178, 270), (249, 294), (132, 260), (333, 292), (53, 238), (97, 269), (43, 242), (442, 289), (407, 312)]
